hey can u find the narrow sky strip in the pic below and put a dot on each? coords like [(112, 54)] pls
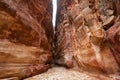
[(54, 2)]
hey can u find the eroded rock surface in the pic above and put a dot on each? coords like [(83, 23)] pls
[(114, 38), (87, 40), (81, 38), (26, 37)]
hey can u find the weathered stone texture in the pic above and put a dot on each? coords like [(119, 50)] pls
[(81, 38), (26, 37)]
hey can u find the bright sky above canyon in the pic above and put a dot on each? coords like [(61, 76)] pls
[(54, 2)]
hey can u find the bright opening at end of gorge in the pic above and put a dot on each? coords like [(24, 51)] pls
[(54, 2)]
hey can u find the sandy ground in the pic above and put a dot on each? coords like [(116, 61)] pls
[(59, 73)]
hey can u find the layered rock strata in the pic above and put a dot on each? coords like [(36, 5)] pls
[(87, 38), (84, 35), (26, 37)]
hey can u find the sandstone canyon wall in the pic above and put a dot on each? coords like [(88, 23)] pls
[(87, 35), (26, 37), (87, 38)]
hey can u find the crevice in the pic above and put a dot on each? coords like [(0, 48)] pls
[(54, 3)]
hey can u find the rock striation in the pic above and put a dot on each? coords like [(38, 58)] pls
[(87, 34), (26, 37), (86, 40)]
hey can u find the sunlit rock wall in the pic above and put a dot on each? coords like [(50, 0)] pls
[(26, 37), (87, 35)]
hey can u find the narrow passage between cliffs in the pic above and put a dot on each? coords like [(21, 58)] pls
[(54, 2)]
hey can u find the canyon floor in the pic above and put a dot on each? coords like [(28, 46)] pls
[(60, 73)]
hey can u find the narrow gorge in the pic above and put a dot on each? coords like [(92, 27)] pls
[(60, 39)]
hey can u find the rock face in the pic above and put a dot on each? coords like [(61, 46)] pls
[(81, 38), (26, 37), (87, 39), (114, 38)]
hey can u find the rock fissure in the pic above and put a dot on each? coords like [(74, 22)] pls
[(82, 35)]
